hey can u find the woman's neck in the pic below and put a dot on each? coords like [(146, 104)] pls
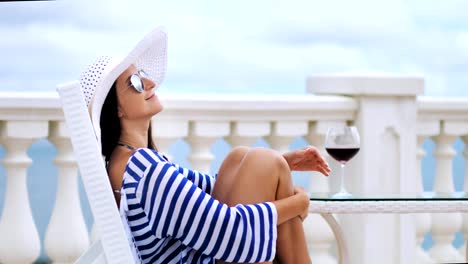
[(134, 136)]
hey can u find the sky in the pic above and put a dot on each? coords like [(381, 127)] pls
[(243, 46)]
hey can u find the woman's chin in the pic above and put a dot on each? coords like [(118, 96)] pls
[(156, 110)]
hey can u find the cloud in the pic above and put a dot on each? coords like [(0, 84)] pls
[(461, 40), (358, 22), (435, 13), (241, 46)]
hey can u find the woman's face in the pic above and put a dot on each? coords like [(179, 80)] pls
[(131, 103)]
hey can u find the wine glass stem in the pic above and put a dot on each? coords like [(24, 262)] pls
[(342, 188)]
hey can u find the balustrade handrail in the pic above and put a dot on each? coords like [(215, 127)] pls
[(432, 102), (442, 108), (236, 102), (46, 106)]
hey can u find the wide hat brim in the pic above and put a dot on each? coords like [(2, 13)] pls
[(150, 54)]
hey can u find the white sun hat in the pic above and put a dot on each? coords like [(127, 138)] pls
[(150, 54)]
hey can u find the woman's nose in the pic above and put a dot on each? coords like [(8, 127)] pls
[(148, 83)]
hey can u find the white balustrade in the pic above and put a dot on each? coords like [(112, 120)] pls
[(166, 133), (67, 217), (444, 226), (247, 133), (284, 132), (451, 116), (465, 189), (202, 135), (386, 123), (19, 239), (422, 221), (386, 110)]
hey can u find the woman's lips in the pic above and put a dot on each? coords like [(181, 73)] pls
[(152, 95)]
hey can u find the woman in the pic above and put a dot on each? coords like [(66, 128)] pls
[(177, 215)]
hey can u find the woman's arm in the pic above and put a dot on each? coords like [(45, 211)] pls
[(203, 181), (292, 206), (287, 208)]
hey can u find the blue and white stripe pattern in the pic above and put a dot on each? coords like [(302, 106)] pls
[(174, 219)]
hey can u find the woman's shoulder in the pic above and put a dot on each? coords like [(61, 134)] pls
[(147, 156), (142, 160)]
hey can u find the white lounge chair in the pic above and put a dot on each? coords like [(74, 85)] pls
[(114, 244)]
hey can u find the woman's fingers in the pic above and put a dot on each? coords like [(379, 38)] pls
[(311, 159), (324, 171), (322, 165), (314, 152)]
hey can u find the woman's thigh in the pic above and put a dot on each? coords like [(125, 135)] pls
[(250, 175)]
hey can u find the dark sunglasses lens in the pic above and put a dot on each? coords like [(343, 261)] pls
[(136, 82)]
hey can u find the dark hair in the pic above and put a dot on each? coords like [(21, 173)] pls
[(110, 125)]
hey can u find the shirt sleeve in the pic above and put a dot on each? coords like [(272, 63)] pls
[(176, 207), (203, 181)]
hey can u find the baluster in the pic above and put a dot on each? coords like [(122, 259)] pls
[(166, 132), (444, 225), (465, 189), (201, 136), (284, 132), (246, 133), (422, 221), (319, 235), (19, 239), (67, 217)]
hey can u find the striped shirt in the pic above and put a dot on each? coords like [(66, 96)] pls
[(174, 219)]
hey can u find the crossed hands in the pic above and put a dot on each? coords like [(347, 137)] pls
[(306, 159)]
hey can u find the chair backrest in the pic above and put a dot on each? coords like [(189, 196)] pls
[(98, 189)]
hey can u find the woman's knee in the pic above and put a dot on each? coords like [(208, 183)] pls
[(231, 163), (255, 164), (275, 168), (258, 167), (238, 152), (234, 158), (269, 159), (267, 156)]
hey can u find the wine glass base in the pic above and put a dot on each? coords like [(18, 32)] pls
[(342, 195)]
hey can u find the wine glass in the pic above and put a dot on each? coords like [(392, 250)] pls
[(342, 143)]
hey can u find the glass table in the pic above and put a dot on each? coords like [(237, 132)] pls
[(402, 203)]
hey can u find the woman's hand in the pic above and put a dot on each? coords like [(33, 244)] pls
[(293, 206), (307, 159), (300, 191)]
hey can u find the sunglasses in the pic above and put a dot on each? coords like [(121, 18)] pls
[(136, 82)]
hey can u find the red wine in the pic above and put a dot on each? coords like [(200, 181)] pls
[(342, 155)]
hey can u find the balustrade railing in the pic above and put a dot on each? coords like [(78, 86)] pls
[(202, 120), (443, 120)]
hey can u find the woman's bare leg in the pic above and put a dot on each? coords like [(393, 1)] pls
[(242, 173)]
